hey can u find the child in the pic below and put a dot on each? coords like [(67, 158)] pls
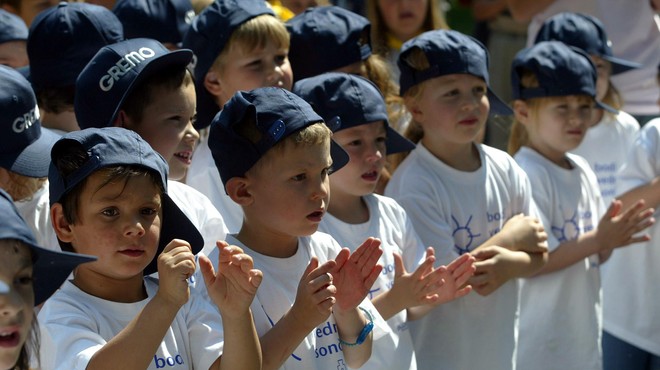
[(357, 110), (29, 274), (464, 197), (24, 155), (109, 198), (274, 157), (631, 325), (13, 40), (164, 20), (153, 95), (611, 135), (560, 310), (238, 45), (62, 40)]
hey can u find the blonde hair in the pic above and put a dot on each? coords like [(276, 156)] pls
[(254, 34), (434, 20), (23, 187)]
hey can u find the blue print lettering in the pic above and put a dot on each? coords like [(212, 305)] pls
[(163, 362), (325, 331)]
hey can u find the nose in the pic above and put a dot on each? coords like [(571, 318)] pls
[(11, 301), (275, 76), (374, 153), (191, 135), (321, 188), (135, 228)]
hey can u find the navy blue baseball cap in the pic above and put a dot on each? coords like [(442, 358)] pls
[(345, 100), (561, 70), (116, 146), (164, 20), (277, 113), (64, 38), (584, 32), (448, 52), (49, 268), (209, 33), (327, 38), (114, 72), (24, 146), (12, 27)]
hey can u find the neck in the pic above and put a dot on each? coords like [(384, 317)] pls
[(124, 291), (351, 209), (64, 121), (265, 241), (460, 156)]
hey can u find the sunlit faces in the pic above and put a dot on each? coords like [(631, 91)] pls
[(559, 125), (167, 125), (16, 300), (289, 188), (403, 18), (365, 144), (451, 108), (14, 54), (120, 223), (248, 70), (604, 70)]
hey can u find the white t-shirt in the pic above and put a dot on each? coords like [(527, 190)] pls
[(632, 26), (74, 325), (276, 294), (201, 213), (388, 222), (203, 175), (36, 213), (455, 212), (631, 309), (561, 312), (605, 147)]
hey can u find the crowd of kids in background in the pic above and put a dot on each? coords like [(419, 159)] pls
[(291, 184)]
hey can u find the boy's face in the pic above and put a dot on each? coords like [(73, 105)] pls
[(16, 300), (247, 70), (118, 222), (14, 54), (365, 144), (167, 125), (403, 18), (290, 191), (452, 108)]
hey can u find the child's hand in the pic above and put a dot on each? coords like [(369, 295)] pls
[(617, 229), (494, 267), (234, 285), (175, 265), (316, 294), (355, 274), (525, 234), (455, 276)]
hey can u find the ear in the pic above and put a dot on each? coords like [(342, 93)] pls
[(61, 226), (121, 119), (213, 85), (238, 190), (413, 107), (521, 111)]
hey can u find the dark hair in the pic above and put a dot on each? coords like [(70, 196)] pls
[(170, 78), (55, 99), (69, 158)]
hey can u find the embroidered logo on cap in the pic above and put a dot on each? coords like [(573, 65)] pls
[(123, 66), (25, 121)]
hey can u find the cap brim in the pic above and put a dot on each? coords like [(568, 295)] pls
[(621, 65), (339, 156), (606, 107), (34, 159), (498, 106), (51, 269), (397, 143), (175, 225)]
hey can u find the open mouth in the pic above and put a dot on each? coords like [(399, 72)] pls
[(315, 216), (184, 156), (370, 176), (9, 339)]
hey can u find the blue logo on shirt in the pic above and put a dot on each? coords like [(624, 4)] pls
[(463, 235), (163, 362)]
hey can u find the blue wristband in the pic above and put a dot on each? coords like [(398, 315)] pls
[(364, 333)]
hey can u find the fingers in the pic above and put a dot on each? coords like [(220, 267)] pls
[(614, 208), (371, 278), (206, 267), (399, 269)]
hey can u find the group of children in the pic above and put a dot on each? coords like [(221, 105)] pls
[(472, 259)]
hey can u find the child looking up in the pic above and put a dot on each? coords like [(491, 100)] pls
[(109, 198), (274, 157), (29, 274), (555, 91), (464, 197), (356, 111), (238, 45)]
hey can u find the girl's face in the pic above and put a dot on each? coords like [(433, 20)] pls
[(404, 18), (558, 125), (604, 70), (16, 300)]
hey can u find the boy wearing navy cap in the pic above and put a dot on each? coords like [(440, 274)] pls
[(140, 85), (164, 20), (359, 122), (465, 198), (13, 40), (274, 155), (109, 198), (555, 90), (24, 154), (238, 45), (29, 274), (62, 40)]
